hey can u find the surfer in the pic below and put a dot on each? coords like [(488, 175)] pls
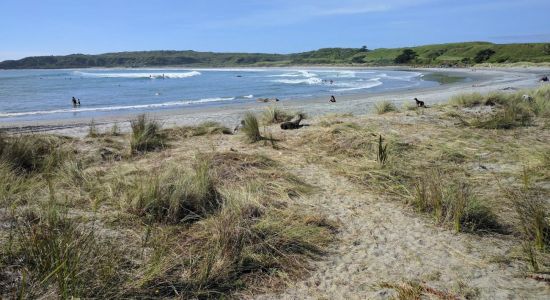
[(332, 99)]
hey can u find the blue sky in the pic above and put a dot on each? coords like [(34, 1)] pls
[(44, 27)]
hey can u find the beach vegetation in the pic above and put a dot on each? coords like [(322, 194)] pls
[(274, 115), (385, 107), (146, 135), (251, 128), (406, 56), (204, 128)]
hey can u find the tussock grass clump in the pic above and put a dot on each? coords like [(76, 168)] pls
[(146, 135), (251, 128), (468, 100), (174, 196), (382, 155), (54, 256), (511, 116), (453, 203), (242, 244), (205, 128), (32, 153), (533, 214), (385, 107), (92, 129), (273, 115)]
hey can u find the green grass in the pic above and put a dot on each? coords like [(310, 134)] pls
[(251, 128), (52, 252), (452, 203), (385, 107), (174, 196), (439, 54), (32, 153), (146, 135)]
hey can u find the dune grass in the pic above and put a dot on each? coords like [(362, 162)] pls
[(251, 128), (146, 135), (385, 107), (274, 115), (205, 128), (174, 196), (453, 203), (32, 153)]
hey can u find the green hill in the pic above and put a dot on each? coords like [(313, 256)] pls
[(442, 54)]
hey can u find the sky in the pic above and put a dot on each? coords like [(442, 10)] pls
[(58, 27)]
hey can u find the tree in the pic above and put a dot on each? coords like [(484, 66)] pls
[(484, 55), (406, 56), (364, 49)]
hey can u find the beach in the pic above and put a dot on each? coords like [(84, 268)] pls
[(483, 80)]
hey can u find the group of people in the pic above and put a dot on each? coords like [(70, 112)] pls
[(76, 102)]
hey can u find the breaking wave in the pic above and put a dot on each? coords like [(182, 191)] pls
[(113, 108), (153, 75)]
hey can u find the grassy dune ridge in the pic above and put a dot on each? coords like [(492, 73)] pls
[(199, 212), (440, 54)]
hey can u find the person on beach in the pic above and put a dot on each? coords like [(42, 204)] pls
[(332, 99), (78, 101), (74, 102)]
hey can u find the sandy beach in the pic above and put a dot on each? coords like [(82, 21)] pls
[(483, 80)]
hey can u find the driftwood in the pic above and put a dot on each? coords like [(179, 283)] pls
[(293, 124)]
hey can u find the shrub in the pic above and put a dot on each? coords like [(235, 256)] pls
[(406, 56), (484, 55), (146, 135), (384, 107), (251, 128)]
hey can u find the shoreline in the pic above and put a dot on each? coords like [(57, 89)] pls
[(483, 81)]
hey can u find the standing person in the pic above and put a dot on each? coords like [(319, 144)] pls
[(74, 101), (78, 101)]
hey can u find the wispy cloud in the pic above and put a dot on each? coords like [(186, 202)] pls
[(285, 12)]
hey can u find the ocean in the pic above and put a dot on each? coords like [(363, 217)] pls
[(27, 95)]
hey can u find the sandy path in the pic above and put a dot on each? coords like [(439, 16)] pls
[(383, 241)]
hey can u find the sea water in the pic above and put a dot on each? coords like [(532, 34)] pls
[(27, 95)]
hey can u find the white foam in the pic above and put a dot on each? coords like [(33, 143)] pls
[(358, 85), (311, 81), (112, 108), (248, 96), (140, 75)]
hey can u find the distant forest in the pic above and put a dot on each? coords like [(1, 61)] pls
[(456, 54)]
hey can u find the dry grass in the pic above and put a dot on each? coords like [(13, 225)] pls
[(251, 128), (146, 135), (274, 115), (385, 107)]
